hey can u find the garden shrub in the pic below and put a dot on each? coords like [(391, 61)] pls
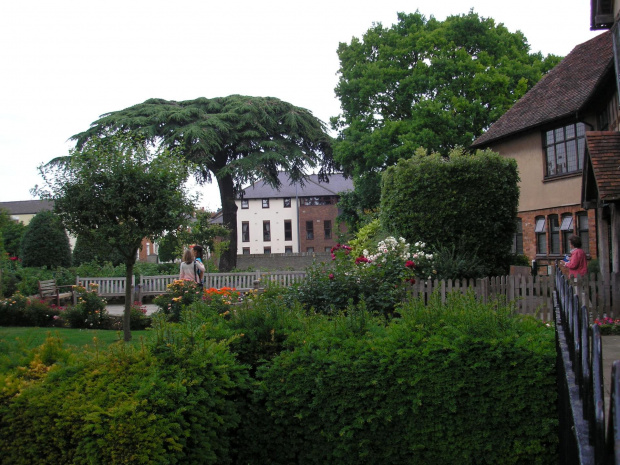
[(181, 293), (90, 310), (457, 383), (19, 310), (439, 201), (45, 242), (172, 403), (378, 277)]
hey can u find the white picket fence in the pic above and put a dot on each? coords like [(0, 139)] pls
[(156, 285)]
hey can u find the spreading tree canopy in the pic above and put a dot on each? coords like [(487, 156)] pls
[(237, 139), (115, 189), (427, 83)]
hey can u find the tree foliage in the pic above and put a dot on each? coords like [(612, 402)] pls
[(427, 83), (93, 249), (114, 189), (45, 242), (199, 231), (236, 139), (466, 201), (12, 233)]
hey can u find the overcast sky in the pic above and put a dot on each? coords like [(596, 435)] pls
[(65, 62)]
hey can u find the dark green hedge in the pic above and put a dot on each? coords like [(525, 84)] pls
[(457, 383), (469, 201), (463, 385)]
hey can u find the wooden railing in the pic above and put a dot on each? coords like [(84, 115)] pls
[(533, 295), (107, 287), (600, 294)]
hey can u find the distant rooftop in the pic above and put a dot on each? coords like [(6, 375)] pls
[(27, 207), (561, 93), (312, 187)]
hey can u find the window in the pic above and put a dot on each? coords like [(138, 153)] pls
[(245, 231), (541, 236), (265, 203), (310, 249), (310, 201), (554, 234), (567, 229), (266, 231), (517, 243), (309, 230), (246, 251), (288, 250), (267, 250), (564, 149), (288, 230), (582, 224), (328, 249), (245, 203), (287, 202), (327, 227)]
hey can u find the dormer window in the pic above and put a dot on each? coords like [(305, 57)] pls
[(564, 149)]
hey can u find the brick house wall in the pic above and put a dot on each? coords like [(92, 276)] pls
[(318, 214), (530, 237)]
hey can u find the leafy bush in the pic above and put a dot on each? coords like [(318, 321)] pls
[(458, 263), (457, 383), (169, 403), (90, 310), (181, 293), (378, 277), (45, 242), (19, 310), (440, 202)]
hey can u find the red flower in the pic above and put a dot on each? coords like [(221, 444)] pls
[(359, 260), (409, 264), (13, 258), (331, 276)]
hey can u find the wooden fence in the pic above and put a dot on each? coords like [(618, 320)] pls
[(600, 294), (533, 295)]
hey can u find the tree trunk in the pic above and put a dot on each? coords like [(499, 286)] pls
[(128, 300), (228, 260)]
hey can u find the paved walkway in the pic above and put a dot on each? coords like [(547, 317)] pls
[(611, 353), (119, 309)]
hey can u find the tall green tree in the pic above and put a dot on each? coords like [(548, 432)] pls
[(118, 190), (45, 242), (236, 139), (12, 232), (427, 83), (199, 231)]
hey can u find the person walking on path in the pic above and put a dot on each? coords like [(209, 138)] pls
[(578, 264), (191, 269)]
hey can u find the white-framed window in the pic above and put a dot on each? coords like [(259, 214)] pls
[(287, 202), (266, 231), (541, 235), (564, 149), (245, 203), (566, 228), (265, 203), (554, 235), (245, 231)]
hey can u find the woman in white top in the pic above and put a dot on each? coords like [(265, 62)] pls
[(188, 265)]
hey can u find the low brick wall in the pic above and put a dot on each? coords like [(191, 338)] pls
[(280, 262)]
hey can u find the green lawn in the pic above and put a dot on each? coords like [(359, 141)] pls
[(16, 342)]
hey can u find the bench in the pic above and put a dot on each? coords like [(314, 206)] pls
[(106, 287), (49, 290)]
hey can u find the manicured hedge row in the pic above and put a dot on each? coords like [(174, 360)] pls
[(456, 383), (443, 385)]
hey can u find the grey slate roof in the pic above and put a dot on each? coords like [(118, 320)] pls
[(311, 188), (27, 207), (564, 91)]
